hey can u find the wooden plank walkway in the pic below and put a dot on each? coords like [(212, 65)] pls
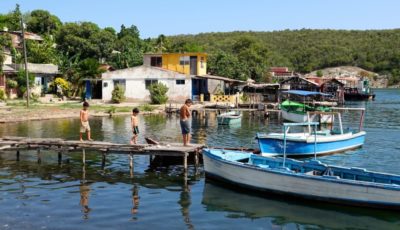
[(62, 146)]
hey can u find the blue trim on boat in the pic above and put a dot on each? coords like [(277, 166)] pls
[(301, 147)]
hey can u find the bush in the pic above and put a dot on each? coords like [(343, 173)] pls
[(63, 84), (158, 93), (146, 108), (2, 95), (11, 84), (118, 94)]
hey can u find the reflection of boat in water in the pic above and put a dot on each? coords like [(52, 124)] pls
[(219, 199)]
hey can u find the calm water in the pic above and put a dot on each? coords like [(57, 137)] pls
[(68, 196)]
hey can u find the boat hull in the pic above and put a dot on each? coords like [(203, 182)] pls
[(302, 117), (271, 145), (308, 187)]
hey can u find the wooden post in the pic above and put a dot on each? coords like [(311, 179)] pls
[(103, 160), (83, 156), (59, 157), (130, 161), (185, 165), (196, 158), (39, 155), (17, 155)]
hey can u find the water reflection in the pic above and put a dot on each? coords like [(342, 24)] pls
[(135, 199), (84, 190), (241, 205)]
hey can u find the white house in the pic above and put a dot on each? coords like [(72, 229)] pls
[(136, 81)]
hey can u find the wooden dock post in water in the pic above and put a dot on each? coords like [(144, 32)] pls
[(17, 155), (39, 156), (130, 161), (83, 157)]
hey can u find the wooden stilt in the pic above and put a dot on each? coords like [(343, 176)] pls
[(39, 156), (196, 158), (130, 161), (103, 160), (83, 156), (17, 155), (185, 165), (59, 157)]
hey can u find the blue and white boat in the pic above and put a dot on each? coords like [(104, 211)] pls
[(305, 179), (311, 141)]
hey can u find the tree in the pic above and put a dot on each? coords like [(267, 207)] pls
[(42, 22), (42, 52), (319, 73), (118, 94), (21, 82), (5, 42)]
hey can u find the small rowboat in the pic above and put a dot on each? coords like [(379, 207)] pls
[(229, 118), (304, 179)]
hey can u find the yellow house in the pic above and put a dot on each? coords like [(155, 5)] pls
[(186, 63)]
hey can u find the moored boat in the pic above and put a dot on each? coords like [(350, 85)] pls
[(296, 111), (306, 179), (229, 118), (311, 141)]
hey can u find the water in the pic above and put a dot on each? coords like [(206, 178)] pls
[(68, 196)]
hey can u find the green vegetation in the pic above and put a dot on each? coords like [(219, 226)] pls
[(118, 94), (78, 48), (158, 93), (2, 95), (146, 108)]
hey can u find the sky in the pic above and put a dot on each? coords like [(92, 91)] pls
[(172, 17)]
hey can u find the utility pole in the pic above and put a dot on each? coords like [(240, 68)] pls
[(26, 62)]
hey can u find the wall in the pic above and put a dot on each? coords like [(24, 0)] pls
[(135, 83)]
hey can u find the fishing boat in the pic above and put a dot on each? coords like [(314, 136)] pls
[(229, 118), (310, 141), (296, 111), (305, 179)]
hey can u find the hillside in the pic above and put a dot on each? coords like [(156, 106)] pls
[(302, 50)]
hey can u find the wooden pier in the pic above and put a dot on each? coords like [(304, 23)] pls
[(62, 146)]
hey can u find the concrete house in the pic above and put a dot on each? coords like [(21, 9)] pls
[(185, 75)]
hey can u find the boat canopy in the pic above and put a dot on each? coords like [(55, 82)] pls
[(305, 93)]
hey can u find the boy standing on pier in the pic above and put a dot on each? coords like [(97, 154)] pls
[(185, 122), (85, 127), (135, 125)]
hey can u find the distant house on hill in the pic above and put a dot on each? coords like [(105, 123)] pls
[(44, 73), (185, 75), (280, 73)]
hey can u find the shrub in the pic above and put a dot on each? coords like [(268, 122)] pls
[(11, 84), (158, 93), (63, 84), (118, 94), (2, 95), (146, 108)]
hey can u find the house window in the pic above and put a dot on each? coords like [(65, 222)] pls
[(149, 82), (105, 84), (121, 83), (184, 60), (180, 82), (156, 61)]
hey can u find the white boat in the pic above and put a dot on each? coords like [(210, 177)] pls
[(229, 118), (304, 179)]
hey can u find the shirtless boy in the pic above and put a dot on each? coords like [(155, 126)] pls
[(185, 122), (85, 127), (135, 125)]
